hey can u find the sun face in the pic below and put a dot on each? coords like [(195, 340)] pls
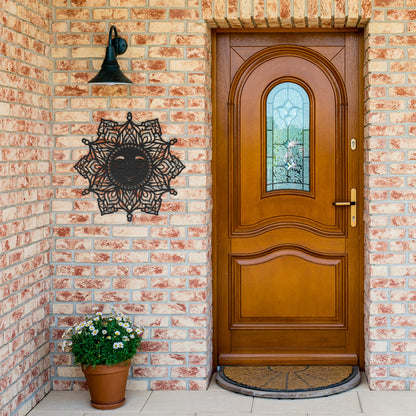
[(129, 167)]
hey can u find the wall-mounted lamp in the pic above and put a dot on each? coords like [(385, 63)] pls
[(110, 72)]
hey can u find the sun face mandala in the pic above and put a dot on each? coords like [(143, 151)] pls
[(129, 167)]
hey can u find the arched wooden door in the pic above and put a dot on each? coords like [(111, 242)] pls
[(288, 199)]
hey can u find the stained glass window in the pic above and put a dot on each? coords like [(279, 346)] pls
[(288, 114)]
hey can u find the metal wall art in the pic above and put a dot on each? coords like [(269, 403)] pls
[(129, 167)]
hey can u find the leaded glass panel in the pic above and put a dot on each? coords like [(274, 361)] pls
[(288, 114)]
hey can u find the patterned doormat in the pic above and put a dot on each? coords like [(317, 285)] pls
[(288, 381)]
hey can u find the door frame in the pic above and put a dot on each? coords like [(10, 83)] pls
[(215, 175)]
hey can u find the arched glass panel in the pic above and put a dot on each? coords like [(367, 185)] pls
[(288, 114)]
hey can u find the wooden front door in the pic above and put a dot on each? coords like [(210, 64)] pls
[(288, 201)]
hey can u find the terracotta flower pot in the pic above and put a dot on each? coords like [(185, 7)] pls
[(107, 384)]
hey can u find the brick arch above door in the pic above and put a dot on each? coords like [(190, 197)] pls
[(287, 14)]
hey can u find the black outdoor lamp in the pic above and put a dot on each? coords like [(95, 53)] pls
[(110, 72)]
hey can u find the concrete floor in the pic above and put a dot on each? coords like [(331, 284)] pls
[(218, 402)]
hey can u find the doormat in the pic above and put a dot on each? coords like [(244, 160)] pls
[(288, 381)]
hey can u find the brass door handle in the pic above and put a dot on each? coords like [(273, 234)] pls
[(352, 204), (343, 204)]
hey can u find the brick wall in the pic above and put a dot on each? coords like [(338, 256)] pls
[(156, 268), (390, 103), (25, 230)]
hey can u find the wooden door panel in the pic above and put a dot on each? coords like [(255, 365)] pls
[(287, 262), (253, 209), (280, 288)]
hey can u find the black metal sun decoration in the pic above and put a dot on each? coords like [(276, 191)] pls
[(129, 166)]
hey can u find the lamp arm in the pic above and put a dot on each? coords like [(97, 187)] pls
[(110, 38)]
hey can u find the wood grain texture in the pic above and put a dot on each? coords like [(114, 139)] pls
[(288, 264)]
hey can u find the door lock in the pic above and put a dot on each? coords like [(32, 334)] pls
[(352, 204)]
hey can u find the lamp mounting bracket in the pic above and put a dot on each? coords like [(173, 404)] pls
[(119, 44)]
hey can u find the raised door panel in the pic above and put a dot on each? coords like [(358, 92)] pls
[(287, 287)]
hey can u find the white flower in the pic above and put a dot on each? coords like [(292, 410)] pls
[(95, 309), (67, 333), (117, 333), (104, 331), (79, 332), (109, 337), (139, 331), (118, 318), (99, 313), (129, 330), (95, 332), (91, 328), (125, 338), (132, 336), (117, 345), (96, 319)]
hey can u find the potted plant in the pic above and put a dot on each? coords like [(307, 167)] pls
[(104, 346)]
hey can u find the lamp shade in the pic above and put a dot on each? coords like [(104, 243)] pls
[(110, 72)]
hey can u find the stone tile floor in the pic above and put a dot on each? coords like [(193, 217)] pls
[(218, 402)]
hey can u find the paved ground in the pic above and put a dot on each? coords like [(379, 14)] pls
[(218, 402)]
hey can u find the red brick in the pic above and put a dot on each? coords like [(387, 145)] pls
[(168, 385), (188, 296), (132, 308), (150, 270), (403, 321), (168, 359), (163, 333), (91, 283), (189, 372), (150, 372), (150, 245), (387, 308), (73, 296), (379, 334), (409, 346), (112, 244), (150, 296), (147, 65), (154, 346), (403, 221), (401, 14), (168, 308), (148, 39), (148, 14), (109, 271), (378, 372), (62, 270), (385, 54), (387, 359), (167, 257)]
